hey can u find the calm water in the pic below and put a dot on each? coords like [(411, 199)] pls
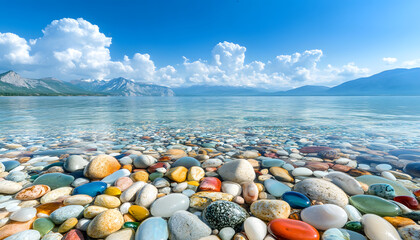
[(394, 117)]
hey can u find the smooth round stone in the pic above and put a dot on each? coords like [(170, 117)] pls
[(184, 225), (25, 235), (129, 195), (9, 187), (400, 190), (347, 183), (105, 223), (110, 179), (93, 211), (292, 230), (215, 214), (32, 192), (412, 168), (23, 215), (388, 176), (411, 232), (56, 194), (296, 200), (375, 205), (80, 199), (322, 191), (161, 183), (255, 229), (408, 201), (214, 162), (138, 212), (16, 176), (335, 234), (364, 167), (275, 187), (144, 161), (383, 167), (124, 234), (133, 225), (2, 167), (302, 171), (210, 184), (268, 163), (10, 165), (146, 196), (169, 204), (352, 213), (101, 166), (92, 189), (354, 225), (325, 216), (154, 228), (74, 163), (107, 201), (382, 190), (187, 162), (377, 228), (227, 233), (238, 171), (67, 225), (43, 225), (250, 192), (79, 182), (54, 180), (62, 214), (288, 167), (113, 191), (268, 210), (123, 183), (231, 188), (83, 224)]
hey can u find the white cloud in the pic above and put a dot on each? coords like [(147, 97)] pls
[(389, 60), (75, 48), (411, 63)]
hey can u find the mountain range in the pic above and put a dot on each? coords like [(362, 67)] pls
[(391, 82)]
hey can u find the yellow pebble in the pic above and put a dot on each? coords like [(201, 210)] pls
[(138, 212), (67, 225), (260, 187), (193, 183), (140, 176), (113, 191), (177, 174)]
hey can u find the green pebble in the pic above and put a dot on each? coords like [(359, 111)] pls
[(155, 175), (43, 225), (354, 226), (133, 225)]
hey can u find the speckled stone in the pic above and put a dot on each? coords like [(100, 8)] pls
[(268, 210), (322, 191), (411, 232), (222, 214), (382, 190), (184, 225)]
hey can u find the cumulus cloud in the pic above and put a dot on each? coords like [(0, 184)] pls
[(389, 60), (76, 49)]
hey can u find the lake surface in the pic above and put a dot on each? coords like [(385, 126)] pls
[(390, 117)]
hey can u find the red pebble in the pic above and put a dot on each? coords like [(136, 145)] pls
[(74, 234), (408, 201), (292, 230), (155, 166), (212, 184)]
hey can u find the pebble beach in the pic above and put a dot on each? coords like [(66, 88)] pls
[(189, 181)]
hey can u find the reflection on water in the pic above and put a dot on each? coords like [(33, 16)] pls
[(396, 116)]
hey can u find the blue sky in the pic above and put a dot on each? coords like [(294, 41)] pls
[(358, 32)]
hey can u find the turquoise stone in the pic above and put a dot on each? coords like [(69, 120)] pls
[(10, 165), (62, 214), (54, 180), (375, 205), (155, 175), (382, 190), (43, 225), (275, 187), (268, 163), (133, 225), (155, 228), (60, 164), (187, 162), (296, 199), (400, 190), (92, 189), (354, 226)]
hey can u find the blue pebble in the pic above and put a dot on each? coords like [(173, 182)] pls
[(187, 162), (10, 165), (153, 228), (296, 200), (272, 162), (92, 189), (275, 187), (382, 190)]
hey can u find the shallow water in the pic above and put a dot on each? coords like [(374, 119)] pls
[(392, 117)]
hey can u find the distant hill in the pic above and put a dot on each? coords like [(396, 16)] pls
[(307, 90), (392, 82), (123, 87), (12, 83), (205, 90)]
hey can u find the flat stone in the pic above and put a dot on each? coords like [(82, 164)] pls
[(296, 200), (322, 191), (325, 216), (169, 204), (375, 205), (268, 210), (9, 187), (344, 181), (54, 180), (32, 192), (62, 214), (184, 225), (92, 189), (400, 190), (275, 187), (56, 194), (153, 228), (292, 230), (25, 235), (411, 232)]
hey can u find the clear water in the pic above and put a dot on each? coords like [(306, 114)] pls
[(391, 117)]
